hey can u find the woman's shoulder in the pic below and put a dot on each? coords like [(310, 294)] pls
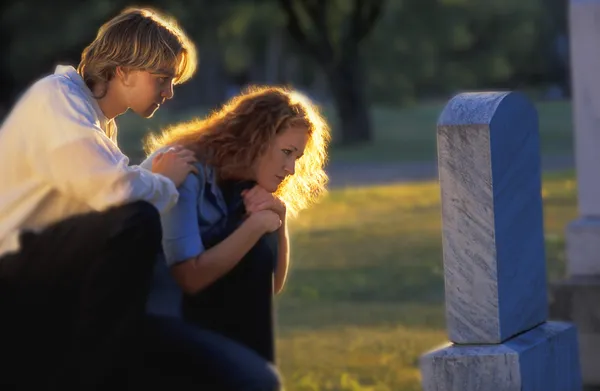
[(147, 162), (205, 172)]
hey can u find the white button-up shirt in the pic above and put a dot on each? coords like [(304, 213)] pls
[(59, 157)]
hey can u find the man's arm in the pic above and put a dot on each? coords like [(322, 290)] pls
[(77, 158), (82, 170)]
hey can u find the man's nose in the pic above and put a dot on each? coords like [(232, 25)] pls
[(168, 91)]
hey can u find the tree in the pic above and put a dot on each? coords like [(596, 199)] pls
[(331, 33)]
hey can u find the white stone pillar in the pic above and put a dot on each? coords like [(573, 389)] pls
[(576, 298), (583, 235)]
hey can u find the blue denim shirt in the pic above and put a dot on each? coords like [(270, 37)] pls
[(200, 207)]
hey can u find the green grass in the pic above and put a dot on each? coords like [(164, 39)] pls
[(365, 294), (410, 134), (406, 134)]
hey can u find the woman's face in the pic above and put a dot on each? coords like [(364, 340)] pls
[(279, 160)]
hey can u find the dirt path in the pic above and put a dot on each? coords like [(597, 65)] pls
[(365, 174)]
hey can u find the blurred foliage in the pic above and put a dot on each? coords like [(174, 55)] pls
[(429, 48), (418, 49)]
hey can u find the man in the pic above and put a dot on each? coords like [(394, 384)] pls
[(79, 228)]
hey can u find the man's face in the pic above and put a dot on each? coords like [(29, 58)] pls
[(147, 90)]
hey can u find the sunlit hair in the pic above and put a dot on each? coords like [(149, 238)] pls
[(233, 138), (142, 39)]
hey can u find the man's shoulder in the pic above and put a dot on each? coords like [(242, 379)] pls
[(54, 90), (60, 86), (55, 109), (39, 90), (48, 95)]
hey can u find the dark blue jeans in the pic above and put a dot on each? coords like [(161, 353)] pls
[(182, 356)]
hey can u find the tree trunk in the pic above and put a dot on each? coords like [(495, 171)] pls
[(346, 80)]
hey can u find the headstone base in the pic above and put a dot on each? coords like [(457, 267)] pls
[(576, 300), (542, 359)]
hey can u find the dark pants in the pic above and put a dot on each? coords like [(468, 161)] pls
[(240, 304), (72, 299), (182, 356), (225, 341)]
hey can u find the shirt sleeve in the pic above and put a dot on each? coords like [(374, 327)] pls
[(181, 233), (78, 159), (82, 169)]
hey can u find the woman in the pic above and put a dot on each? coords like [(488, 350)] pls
[(260, 160)]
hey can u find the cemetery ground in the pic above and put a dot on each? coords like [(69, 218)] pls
[(365, 294), (364, 298)]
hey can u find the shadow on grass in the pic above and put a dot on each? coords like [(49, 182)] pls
[(295, 315), (402, 283)]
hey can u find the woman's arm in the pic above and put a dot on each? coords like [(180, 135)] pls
[(192, 265), (283, 258), (199, 272), (258, 199)]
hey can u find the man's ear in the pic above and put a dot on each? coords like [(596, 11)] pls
[(123, 74)]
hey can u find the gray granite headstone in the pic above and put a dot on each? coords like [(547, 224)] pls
[(543, 359), (493, 236), (494, 259)]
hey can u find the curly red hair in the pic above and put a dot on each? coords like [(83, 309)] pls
[(233, 138)]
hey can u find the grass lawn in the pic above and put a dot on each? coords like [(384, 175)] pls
[(406, 134), (365, 294)]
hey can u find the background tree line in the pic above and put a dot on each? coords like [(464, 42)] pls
[(350, 54)]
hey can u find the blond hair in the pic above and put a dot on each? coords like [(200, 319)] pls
[(234, 137), (138, 38)]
